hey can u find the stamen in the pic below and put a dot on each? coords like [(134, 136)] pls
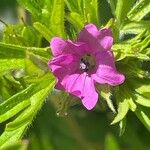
[(87, 63)]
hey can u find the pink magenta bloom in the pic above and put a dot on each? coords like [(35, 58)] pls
[(79, 65)]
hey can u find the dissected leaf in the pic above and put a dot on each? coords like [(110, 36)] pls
[(144, 117), (122, 9), (132, 105), (141, 9), (15, 129), (91, 11), (107, 97), (8, 51), (11, 136), (16, 103), (122, 126), (9, 64), (76, 20), (11, 51), (57, 18), (74, 6), (46, 33), (27, 115), (140, 99), (123, 108), (136, 27), (32, 7), (112, 4)]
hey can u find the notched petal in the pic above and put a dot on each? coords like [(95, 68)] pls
[(108, 75), (106, 42), (57, 45), (90, 96), (105, 38)]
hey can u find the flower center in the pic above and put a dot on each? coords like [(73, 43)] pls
[(87, 63)]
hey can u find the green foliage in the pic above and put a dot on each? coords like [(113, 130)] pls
[(57, 18), (144, 117), (123, 108), (15, 129), (111, 143), (141, 9), (122, 9), (25, 79), (47, 34)]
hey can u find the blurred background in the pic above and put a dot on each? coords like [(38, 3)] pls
[(79, 129)]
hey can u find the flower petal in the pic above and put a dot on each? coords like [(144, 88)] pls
[(107, 75), (57, 45), (105, 72), (58, 85), (76, 48), (105, 58), (97, 39), (105, 38), (89, 35), (83, 87), (73, 83), (60, 46), (90, 96), (64, 60), (59, 65), (106, 32), (91, 29), (106, 42)]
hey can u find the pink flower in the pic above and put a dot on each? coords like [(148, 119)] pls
[(79, 65)]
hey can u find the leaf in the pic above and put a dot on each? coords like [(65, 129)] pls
[(16, 146), (132, 105), (94, 15), (112, 4), (44, 52), (40, 10), (76, 20), (123, 97), (74, 6), (147, 51), (32, 7), (57, 18), (15, 129), (142, 45), (136, 27), (11, 137), (140, 99), (39, 62), (8, 64), (13, 35), (28, 114), (16, 103), (19, 101), (123, 108), (8, 51), (107, 97), (11, 51), (127, 50), (144, 117), (90, 8), (31, 37), (122, 9), (42, 29), (141, 9), (144, 90), (122, 126)]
